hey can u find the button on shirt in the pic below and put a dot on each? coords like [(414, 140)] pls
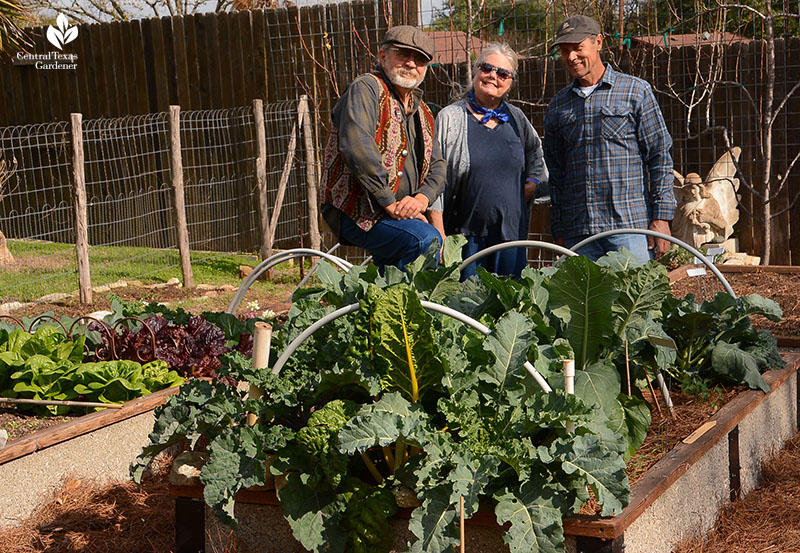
[(608, 156)]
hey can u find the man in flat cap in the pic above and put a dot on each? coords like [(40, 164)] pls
[(608, 152), (382, 167)]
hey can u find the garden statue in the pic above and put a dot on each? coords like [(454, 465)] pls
[(707, 210)]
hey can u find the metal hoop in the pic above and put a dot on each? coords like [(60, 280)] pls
[(353, 307), (698, 254), (515, 244), (276, 259)]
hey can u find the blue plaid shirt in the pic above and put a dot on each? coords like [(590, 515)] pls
[(608, 156)]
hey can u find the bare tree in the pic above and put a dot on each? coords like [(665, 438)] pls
[(770, 183), (101, 11)]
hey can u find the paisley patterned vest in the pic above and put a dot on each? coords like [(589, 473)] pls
[(341, 189)]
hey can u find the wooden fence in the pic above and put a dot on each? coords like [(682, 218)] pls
[(211, 61)]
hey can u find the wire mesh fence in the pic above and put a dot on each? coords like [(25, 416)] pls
[(130, 198)]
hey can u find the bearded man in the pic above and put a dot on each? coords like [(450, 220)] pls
[(382, 167)]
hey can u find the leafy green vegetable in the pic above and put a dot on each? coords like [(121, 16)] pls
[(393, 398)]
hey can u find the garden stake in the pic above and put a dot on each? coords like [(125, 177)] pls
[(627, 368), (66, 403), (262, 337), (461, 500), (652, 391)]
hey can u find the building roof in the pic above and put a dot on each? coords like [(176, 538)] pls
[(688, 39), (449, 46)]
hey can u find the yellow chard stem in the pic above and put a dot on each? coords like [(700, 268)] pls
[(388, 457), (400, 453), (372, 468)]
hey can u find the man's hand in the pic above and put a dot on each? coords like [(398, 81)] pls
[(530, 189), (661, 245), (408, 208)]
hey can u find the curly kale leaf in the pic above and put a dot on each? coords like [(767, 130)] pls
[(366, 519)]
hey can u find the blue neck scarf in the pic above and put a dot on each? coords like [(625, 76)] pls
[(501, 113)]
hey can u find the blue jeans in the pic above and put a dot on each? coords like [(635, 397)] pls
[(503, 262), (390, 241), (636, 243)]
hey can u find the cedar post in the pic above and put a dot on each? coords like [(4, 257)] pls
[(304, 115), (261, 174), (79, 205), (179, 202)]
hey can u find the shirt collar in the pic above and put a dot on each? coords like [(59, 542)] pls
[(416, 94), (609, 76)]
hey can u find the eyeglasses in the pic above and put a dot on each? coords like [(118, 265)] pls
[(502, 74), (406, 54)]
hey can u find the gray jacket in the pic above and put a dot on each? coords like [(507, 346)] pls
[(451, 133)]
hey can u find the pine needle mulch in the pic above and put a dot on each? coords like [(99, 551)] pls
[(767, 520), (98, 517)]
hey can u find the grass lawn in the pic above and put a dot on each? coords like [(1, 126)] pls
[(43, 268)]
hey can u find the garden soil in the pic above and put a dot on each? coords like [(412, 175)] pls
[(125, 518)]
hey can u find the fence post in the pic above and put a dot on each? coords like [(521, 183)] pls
[(179, 201), (261, 174), (311, 173), (79, 205)]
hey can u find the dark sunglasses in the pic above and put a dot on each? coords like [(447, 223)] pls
[(502, 74), (406, 54)]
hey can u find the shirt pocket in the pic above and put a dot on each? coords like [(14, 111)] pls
[(617, 123), (569, 128)]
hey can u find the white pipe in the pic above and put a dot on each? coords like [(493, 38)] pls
[(569, 385), (466, 319)]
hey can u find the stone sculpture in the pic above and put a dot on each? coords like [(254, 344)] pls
[(707, 210)]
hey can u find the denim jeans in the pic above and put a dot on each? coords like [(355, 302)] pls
[(503, 262), (636, 243), (391, 241)]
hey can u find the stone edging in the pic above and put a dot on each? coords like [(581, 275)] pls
[(9, 307)]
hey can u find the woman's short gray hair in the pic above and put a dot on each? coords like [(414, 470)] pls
[(497, 48)]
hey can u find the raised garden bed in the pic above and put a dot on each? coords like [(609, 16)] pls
[(777, 282), (99, 445), (677, 498)]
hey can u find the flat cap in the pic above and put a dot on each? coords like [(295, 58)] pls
[(576, 28), (410, 37)]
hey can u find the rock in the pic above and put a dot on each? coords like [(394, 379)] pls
[(101, 289), (228, 288), (186, 468), (118, 284), (206, 287), (3, 438), (244, 271), (7, 308), (100, 315), (173, 282), (55, 298)]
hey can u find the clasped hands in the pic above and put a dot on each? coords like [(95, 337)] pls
[(410, 207)]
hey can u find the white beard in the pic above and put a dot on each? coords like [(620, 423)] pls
[(398, 79)]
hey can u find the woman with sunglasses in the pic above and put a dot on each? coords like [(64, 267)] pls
[(494, 165)]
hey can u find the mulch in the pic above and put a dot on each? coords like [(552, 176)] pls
[(784, 288), (767, 520)]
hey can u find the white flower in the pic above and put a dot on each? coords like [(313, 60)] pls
[(252, 305), (268, 314)]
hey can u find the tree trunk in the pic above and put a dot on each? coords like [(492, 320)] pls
[(766, 129), (5, 256)]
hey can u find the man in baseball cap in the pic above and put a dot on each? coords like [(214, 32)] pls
[(382, 167), (608, 152), (576, 28)]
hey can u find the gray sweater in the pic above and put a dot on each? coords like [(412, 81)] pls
[(451, 133)]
